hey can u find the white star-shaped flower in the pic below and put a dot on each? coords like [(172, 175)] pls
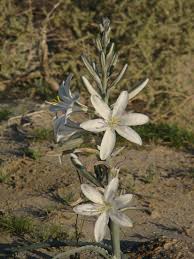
[(116, 120), (106, 205)]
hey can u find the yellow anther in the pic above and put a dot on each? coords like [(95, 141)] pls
[(55, 101), (113, 122)]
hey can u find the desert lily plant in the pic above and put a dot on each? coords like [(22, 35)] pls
[(102, 186)]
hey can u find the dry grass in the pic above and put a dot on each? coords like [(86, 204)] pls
[(156, 38)]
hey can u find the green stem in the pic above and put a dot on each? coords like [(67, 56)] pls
[(115, 239), (115, 235)]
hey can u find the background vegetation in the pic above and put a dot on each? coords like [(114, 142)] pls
[(41, 41)]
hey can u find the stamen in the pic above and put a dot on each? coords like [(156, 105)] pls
[(107, 206), (55, 101), (113, 122)]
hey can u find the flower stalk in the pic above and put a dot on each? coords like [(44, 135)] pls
[(115, 235), (112, 119), (115, 239)]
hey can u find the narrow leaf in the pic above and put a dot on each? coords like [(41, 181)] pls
[(82, 170), (98, 44), (95, 249), (91, 70), (113, 61), (110, 54), (103, 61), (119, 77)]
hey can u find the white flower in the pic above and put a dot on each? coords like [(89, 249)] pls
[(114, 120), (105, 205)]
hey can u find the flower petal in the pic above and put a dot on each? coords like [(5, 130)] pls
[(64, 136), (88, 209), (100, 227), (129, 134), (121, 219), (59, 121), (133, 119), (75, 160), (123, 201), (89, 87), (64, 128), (73, 124), (60, 106), (121, 104), (107, 144), (64, 89), (92, 194), (100, 106), (138, 89), (96, 125), (111, 190)]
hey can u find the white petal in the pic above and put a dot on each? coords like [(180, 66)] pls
[(121, 104), (123, 201), (76, 160), (133, 119), (111, 190), (69, 111), (64, 136), (138, 89), (121, 219), (96, 125), (108, 143), (89, 87), (60, 137), (100, 106), (88, 209), (64, 128), (92, 194), (129, 134), (100, 227), (64, 132)]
